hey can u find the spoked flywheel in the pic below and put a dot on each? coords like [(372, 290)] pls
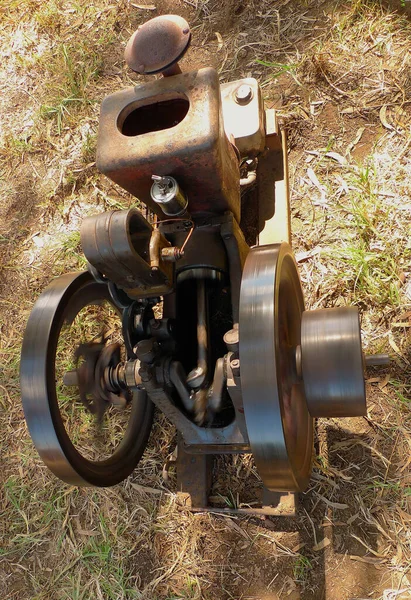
[(280, 428), (86, 434)]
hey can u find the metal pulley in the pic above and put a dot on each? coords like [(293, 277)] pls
[(332, 367)]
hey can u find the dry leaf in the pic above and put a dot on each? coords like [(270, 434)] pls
[(356, 139), (238, 529), (396, 349), (220, 40), (370, 560), (338, 157), (383, 117), (384, 382), (146, 490), (352, 518), (321, 545), (298, 547), (337, 505), (144, 6)]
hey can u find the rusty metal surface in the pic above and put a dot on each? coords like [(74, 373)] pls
[(194, 477), (198, 440), (192, 148), (244, 115), (274, 220), (158, 44), (123, 246)]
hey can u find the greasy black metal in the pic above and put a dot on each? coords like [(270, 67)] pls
[(92, 360), (178, 379), (377, 360), (158, 44), (207, 440), (135, 324), (198, 376), (204, 250), (119, 244), (59, 304), (104, 394), (195, 151), (237, 251)]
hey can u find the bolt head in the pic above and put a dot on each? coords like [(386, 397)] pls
[(243, 94)]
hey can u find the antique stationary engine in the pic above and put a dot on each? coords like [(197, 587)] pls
[(192, 300)]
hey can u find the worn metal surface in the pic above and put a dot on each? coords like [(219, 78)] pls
[(158, 44), (279, 426), (197, 377), (166, 192), (57, 305), (243, 113), (273, 184), (146, 130), (284, 504), (194, 477), (332, 362), (237, 251), (123, 245), (204, 250), (377, 360), (198, 440)]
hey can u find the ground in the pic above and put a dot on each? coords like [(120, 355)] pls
[(339, 74)]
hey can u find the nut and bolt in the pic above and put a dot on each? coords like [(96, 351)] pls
[(231, 339), (243, 94)]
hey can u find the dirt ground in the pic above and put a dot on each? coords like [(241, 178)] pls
[(339, 74)]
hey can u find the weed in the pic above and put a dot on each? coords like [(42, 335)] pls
[(279, 69), (49, 17), (302, 567), (16, 146), (88, 148), (72, 72)]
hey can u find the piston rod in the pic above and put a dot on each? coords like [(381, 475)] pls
[(197, 376)]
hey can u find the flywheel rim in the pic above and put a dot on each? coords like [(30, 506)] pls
[(279, 426), (60, 302)]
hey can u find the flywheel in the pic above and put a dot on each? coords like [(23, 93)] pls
[(86, 434), (280, 428)]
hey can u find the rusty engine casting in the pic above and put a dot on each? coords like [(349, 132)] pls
[(211, 323)]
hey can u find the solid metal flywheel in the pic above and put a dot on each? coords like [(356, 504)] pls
[(51, 401), (295, 365), (280, 428)]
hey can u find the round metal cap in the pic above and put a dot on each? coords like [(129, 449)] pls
[(332, 362), (279, 426), (158, 44)]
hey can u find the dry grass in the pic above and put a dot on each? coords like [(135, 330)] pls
[(340, 76)]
